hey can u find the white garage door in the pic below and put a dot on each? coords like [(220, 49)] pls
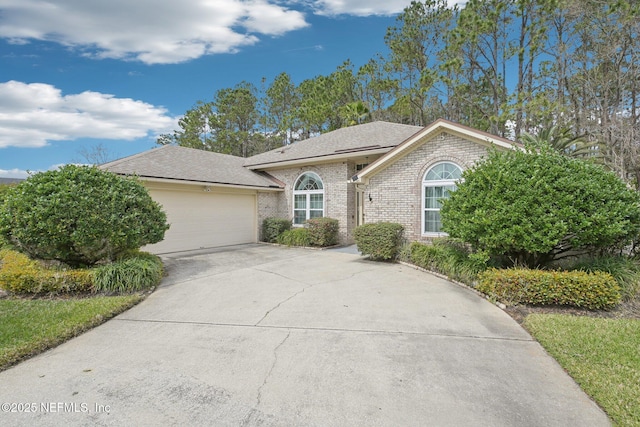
[(202, 219)]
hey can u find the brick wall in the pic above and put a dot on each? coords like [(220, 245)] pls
[(339, 195), (396, 192), (270, 204)]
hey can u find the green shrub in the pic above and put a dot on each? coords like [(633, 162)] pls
[(380, 240), (531, 207), (594, 291), (80, 215), (295, 237), (273, 227), (624, 269), (21, 275), (131, 273), (323, 231), (4, 192), (449, 257), (5, 189)]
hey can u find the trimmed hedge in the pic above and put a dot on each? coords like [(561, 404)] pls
[(323, 231), (273, 227), (21, 275), (380, 240), (295, 237), (593, 291), (134, 272), (626, 271)]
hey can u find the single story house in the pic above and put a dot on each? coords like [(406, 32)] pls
[(367, 173)]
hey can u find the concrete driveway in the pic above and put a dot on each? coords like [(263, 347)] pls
[(259, 335)]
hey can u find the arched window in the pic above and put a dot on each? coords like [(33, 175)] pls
[(308, 198), (438, 182)]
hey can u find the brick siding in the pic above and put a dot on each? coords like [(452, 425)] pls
[(339, 195), (396, 192)]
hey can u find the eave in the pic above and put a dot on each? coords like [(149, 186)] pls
[(274, 187), (428, 133), (328, 158)]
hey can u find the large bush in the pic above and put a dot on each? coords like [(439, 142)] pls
[(532, 207), (379, 240), (4, 191), (80, 215), (594, 291)]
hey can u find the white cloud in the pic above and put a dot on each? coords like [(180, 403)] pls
[(151, 31), (33, 114), (364, 7), (360, 7), (14, 173), (24, 174)]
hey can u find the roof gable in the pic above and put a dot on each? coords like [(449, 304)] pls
[(426, 134), (376, 137), (190, 165)]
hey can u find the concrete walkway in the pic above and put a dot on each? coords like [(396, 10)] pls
[(260, 335)]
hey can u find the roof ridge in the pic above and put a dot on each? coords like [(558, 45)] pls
[(205, 151), (460, 125), (131, 157)]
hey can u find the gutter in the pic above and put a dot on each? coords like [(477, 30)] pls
[(326, 158), (274, 187)]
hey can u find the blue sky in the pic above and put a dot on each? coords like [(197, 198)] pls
[(78, 73)]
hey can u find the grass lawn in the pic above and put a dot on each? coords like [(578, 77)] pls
[(602, 355), (28, 327)]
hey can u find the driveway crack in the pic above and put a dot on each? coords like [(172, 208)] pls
[(256, 409), (280, 303), (284, 300), (273, 365)]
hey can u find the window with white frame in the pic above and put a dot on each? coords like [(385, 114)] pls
[(439, 181), (308, 198)]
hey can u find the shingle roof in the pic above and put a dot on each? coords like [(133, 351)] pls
[(425, 134), (189, 164), (366, 137)]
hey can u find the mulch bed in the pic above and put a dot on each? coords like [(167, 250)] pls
[(625, 310)]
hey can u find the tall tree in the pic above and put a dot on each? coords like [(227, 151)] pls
[(603, 84), (343, 95), (227, 125), (195, 129), (315, 106), (376, 87), (415, 44), (282, 101), (531, 21), (236, 119), (477, 52)]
